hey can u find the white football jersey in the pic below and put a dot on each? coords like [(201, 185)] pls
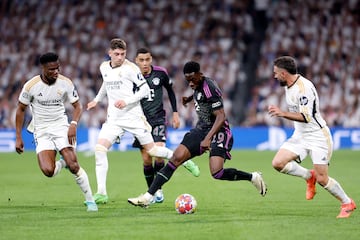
[(47, 101), (302, 97), (122, 83)]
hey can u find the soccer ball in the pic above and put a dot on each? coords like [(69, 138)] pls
[(185, 204)]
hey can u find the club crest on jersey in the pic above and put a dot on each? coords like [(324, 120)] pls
[(199, 95), (303, 100), (156, 81)]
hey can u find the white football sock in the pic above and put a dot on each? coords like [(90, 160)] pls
[(335, 189), (82, 180), (101, 168), (148, 196), (294, 169)]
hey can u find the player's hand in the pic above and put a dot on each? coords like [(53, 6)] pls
[(186, 100), (175, 120), (72, 134), (274, 111), (19, 146), (120, 104), (205, 144), (90, 105)]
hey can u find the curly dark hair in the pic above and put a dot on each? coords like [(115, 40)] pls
[(191, 67), (48, 57)]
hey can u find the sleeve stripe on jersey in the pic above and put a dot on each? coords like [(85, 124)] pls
[(64, 78), (207, 90), (158, 68), (301, 86), (32, 82)]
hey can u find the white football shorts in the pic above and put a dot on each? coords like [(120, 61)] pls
[(139, 128), (318, 145), (54, 139)]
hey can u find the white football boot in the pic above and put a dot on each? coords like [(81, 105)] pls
[(259, 183)]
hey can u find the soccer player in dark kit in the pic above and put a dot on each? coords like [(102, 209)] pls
[(211, 133), (153, 107)]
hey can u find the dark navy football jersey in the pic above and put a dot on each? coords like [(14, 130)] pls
[(207, 98), (153, 105)]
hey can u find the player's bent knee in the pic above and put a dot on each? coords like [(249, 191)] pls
[(277, 165), (48, 172)]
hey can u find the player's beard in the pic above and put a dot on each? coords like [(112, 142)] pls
[(281, 82)]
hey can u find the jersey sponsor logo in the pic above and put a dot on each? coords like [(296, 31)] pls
[(156, 81), (199, 95), (151, 95), (113, 85), (217, 104), (52, 102), (303, 100), (40, 95)]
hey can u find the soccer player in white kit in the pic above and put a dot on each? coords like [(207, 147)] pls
[(124, 86), (46, 94), (311, 135)]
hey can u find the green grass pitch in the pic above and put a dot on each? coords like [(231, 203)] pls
[(33, 206)]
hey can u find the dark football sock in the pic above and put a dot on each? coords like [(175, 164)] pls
[(149, 174), (158, 166), (232, 174), (162, 177)]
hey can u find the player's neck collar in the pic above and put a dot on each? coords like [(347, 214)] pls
[(298, 76)]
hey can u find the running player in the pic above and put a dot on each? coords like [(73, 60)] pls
[(212, 133), (124, 86), (153, 107), (311, 136), (46, 94)]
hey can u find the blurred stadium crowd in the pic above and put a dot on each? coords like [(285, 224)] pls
[(235, 42)]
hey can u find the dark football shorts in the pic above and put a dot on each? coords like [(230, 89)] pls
[(220, 145), (159, 135)]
